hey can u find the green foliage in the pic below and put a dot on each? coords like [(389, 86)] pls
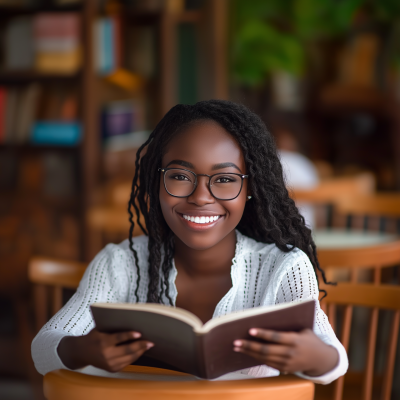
[(259, 48), (323, 18), (271, 35)]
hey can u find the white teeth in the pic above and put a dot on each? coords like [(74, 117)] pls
[(201, 220)]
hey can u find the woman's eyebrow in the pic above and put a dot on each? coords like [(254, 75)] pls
[(181, 163), (225, 165)]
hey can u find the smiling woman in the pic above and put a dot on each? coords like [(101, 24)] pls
[(221, 235)]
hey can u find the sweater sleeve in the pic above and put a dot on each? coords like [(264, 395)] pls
[(299, 283), (105, 280)]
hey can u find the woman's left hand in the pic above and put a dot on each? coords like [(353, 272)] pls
[(290, 351)]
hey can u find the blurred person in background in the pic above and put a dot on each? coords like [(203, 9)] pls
[(299, 171)]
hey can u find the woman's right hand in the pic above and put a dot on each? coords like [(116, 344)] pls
[(107, 351)]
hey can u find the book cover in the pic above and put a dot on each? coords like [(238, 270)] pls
[(181, 339)]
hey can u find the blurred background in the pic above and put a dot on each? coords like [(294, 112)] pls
[(83, 83)]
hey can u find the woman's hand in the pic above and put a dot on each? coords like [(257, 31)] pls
[(102, 350), (290, 351)]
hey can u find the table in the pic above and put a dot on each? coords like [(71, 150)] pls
[(345, 239)]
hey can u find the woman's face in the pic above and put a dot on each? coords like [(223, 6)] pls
[(204, 148)]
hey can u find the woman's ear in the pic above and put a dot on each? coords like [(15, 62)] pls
[(248, 195)]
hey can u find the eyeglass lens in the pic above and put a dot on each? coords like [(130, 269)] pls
[(182, 183)]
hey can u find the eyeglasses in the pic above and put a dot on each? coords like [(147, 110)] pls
[(179, 182)]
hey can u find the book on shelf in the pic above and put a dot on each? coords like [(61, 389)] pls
[(56, 133), (27, 110), (205, 350), (141, 52), (39, 114), (107, 44), (122, 117), (57, 40), (18, 44)]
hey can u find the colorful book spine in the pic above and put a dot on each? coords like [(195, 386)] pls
[(57, 42), (56, 133)]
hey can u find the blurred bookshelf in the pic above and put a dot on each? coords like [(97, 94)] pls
[(125, 65)]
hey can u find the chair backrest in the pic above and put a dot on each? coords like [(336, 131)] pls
[(47, 273), (376, 297), (329, 190), (380, 210), (325, 196), (373, 257), (70, 384)]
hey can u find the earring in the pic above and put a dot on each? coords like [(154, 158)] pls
[(248, 197)]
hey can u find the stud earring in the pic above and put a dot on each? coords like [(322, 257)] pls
[(248, 197)]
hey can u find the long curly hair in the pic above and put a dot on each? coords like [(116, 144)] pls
[(270, 217)]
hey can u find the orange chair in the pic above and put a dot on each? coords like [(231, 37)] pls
[(48, 274), (66, 385), (376, 297)]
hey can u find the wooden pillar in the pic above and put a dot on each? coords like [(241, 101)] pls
[(90, 150)]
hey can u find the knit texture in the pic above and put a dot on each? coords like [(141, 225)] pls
[(261, 275)]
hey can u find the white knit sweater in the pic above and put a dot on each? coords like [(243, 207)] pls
[(261, 275)]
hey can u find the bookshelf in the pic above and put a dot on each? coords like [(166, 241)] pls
[(161, 91)]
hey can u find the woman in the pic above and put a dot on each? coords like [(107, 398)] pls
[(221, 235)]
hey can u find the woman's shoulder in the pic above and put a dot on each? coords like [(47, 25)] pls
[(139, 243), (116, 256), (269, 253)]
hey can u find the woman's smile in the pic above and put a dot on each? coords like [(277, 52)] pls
[(200, 221)]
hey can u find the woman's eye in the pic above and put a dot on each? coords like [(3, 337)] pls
[(180, 178), (224, 179)]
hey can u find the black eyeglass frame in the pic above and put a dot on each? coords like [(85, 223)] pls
[(164, 170)]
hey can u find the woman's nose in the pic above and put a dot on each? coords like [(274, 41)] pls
[(202, 194)]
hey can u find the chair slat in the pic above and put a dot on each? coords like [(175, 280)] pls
[(332, 315), (345, 339), (364, 295), (40, 297), (57, 299), (391, 356), (369, 370)]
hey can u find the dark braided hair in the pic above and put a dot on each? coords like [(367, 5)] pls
[(270, 217)]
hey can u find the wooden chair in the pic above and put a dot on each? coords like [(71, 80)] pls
[(63, 385), (383, 207), (51, 275), (325, 196), (376, 297), (355, 260), (110, 219)]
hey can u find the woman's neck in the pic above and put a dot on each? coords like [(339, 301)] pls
[(216, 260)]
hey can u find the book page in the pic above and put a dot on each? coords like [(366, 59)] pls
[(244, 314), (172, 312)]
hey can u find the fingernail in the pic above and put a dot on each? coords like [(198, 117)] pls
[(253, 331), (237, 349), (136, 335), (238, 343), (149, 345)]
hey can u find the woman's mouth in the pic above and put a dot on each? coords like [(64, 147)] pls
[(200, 221)]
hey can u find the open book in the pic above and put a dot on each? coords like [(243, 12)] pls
[(181, 340)]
